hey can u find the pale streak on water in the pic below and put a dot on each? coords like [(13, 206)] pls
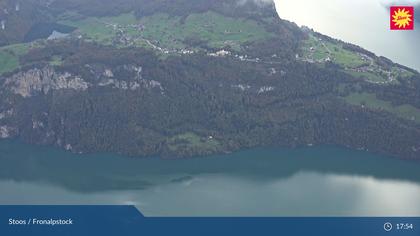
[(303, 194), (317, 181)]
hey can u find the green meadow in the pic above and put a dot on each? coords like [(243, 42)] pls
[(371, 101), (170, 32), (9, 57)]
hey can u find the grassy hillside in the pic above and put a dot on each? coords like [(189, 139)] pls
[(171, 33), (370, 100), (190, 141), (9, 57), (362, 65)]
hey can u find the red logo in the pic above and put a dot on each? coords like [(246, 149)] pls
[(402, 18)]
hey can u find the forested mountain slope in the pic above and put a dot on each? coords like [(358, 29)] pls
[(194, 77)]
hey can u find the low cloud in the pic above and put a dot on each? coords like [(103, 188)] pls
[(415, 3), (257, 2), (400, 2)]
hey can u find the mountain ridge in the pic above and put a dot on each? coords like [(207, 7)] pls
[(202, 80)]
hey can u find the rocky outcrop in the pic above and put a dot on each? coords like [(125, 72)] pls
[(6, 132), (43, 80), (135, 82), (120, 84), (6, 114)]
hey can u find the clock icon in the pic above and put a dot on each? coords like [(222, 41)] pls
[(387, 227)]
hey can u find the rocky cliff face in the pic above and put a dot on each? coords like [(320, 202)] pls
[(46, 79), (25, 88)]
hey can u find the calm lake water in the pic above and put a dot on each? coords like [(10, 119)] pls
[(325, 181), (318, 181), (362, 22)]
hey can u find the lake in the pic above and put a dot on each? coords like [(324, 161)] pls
[(361, 22), (47, 31), (313, 181), (316, 181)]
